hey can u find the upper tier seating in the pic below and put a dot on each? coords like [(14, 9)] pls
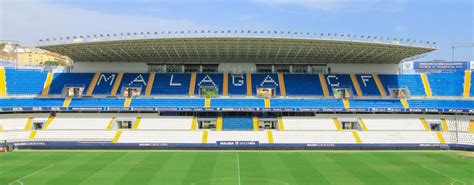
[(25, 82), (367, 85), (171, 84), (134, 80), (441, 84), (471, 92), (31, 102), (265, 81), (306, 103), (442, 104), (303, 85), (339, 81), (97, 102), (208, 80), (237, 123), (62, 80), (376, 104), (237, 103), (179, 102), (105, 83), (237, 84), (412, 82)]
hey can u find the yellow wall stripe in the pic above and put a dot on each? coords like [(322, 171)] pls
[(117, 136), (379, 84), (470, 128), (440, 137), (67, 101), (255, 123), (404, 103), (248, 78), (362, 124), (336, 123), (111, 123), (267, 102), (3, 82), (116, 84), (281, 79), (219, 123), (137, 123), (127, 102), (346, 103), (192, 84), (322, 80), (194, 123), (149, 86), (47, 84), (356, 137), (467, 83), (425, 124), (270, 137), (207, 102), (93, 83), (48, 122), (426, 84), (32, 134), (225, 85), (281, 126), (444, 125), (1, 128), (29, 123), (205, 134), (356, 85)]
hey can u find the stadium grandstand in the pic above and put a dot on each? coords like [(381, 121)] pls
[(229, 92)]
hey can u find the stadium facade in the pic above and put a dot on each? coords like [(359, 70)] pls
[(229, 92)]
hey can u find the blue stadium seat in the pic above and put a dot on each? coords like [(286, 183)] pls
[(134, 80), (367, 85), (237, 123), (412, 82), (105, 83), (31, 102), (303, 85), (62, 80), (171, 84), (375, 104), (237, 84), (471, 92), (265, 81), (446, 84), (339, 81), (306, 103), (442, 104), (23, 82), (237, 103), (97, 102), (171, 103), (208, 80)]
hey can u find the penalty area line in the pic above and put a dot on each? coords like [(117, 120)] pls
[(35, 172), (454, 180)]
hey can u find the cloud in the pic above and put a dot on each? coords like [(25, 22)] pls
[(28, 21), (338, 5)]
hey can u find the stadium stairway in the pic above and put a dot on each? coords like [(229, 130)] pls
[(151, 81), (379, 84), (47, 84), (93, 83), (426, 85), (116, 86)]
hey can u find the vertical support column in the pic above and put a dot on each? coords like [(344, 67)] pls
[(47, 84), (192, 84), (151, 81), (356, 85), (426, 85), (225, 84), (93, 83), (117, 84), (379, 84), (467, 83), (248, 78), (281, 80), (322, 80)]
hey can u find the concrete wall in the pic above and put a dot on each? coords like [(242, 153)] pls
[(364, 68), (82, 67)]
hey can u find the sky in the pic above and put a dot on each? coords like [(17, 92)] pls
[(445, 22)]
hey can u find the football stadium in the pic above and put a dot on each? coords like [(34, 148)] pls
[(247, 110)]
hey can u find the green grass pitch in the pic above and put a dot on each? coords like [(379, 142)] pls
[(236, 167)]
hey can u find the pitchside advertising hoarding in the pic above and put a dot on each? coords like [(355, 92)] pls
[(437, 67)]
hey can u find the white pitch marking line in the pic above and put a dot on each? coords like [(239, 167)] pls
[(35, 172), (238, 166), (438, 172)]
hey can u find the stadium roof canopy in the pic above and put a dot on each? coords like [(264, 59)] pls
[(261, 50)]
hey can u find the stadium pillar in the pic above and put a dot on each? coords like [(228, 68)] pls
[(151, 80), (93, 83), (3, 82), (356, 85), (426, 84), (47, 84), (467, 83), (379, 84), (248, 78), (117, 84), (324, 85)]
